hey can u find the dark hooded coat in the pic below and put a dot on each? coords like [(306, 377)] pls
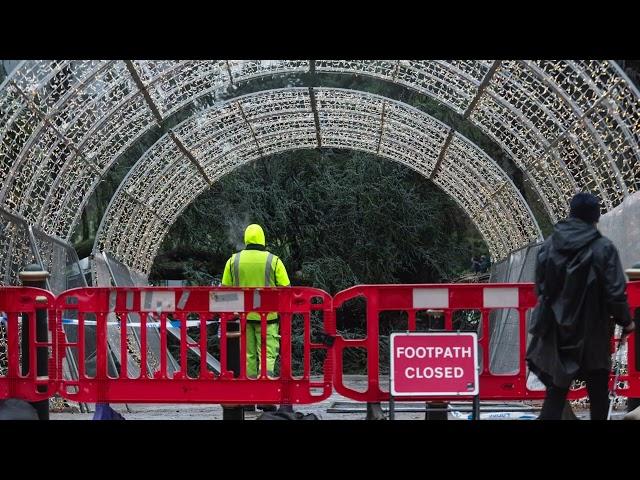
[(581, 286)]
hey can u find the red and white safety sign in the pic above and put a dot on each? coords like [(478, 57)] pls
[(434, 364)]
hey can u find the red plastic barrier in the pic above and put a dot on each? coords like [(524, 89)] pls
[(109, 310), (19, 305), (446, 300), (112, 313), (632, 378)]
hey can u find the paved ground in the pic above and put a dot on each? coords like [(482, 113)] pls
[(214, 412)]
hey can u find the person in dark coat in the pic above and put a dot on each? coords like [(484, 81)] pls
[(581, 286), (475, 264), (485, 264)]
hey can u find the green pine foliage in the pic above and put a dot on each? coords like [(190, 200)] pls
[(335, 218)]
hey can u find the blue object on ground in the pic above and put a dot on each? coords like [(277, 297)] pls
[(105, 412)]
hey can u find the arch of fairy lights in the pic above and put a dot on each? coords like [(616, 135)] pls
[(566, 124), (197, 152)]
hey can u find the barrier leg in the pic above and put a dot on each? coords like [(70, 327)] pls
[(235, 412), (35, 276), (374, 411), (476, 407), (436, 411)]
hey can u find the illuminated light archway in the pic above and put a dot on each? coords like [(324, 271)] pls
[(202, 149), (566, 124)]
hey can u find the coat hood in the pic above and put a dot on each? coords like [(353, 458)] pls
[(254, 235), (572, 234)]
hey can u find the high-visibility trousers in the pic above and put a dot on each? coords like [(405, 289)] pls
[(254, 342)]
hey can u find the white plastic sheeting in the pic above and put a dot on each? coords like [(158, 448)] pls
[(622, 226)]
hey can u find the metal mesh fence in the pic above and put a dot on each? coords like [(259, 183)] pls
[(504, 324), (119, 271), (139, 279), (499, 271), (100, 274), (122, 276), (21, 245), (16, 250), (60, 260), (528, 272)]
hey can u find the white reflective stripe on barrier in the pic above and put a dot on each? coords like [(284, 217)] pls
[(430, 298), (226, 301), (500, 297), (154, 301)]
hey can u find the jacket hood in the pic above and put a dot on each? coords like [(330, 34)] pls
[(254, 235), (573, 234)]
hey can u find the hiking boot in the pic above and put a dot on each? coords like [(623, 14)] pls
[(267, 408)]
